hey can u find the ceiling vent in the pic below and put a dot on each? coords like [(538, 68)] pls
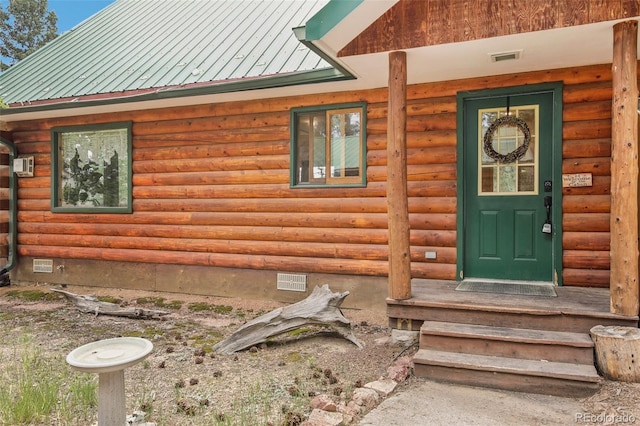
[(506, 56)]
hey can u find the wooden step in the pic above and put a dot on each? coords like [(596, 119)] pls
[(576, 309), (520, 317), (534, 376), (557, 346)]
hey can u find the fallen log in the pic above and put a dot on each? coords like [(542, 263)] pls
[(90, 304), (321, 307)]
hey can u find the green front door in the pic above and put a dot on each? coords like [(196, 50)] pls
[(507, 176)]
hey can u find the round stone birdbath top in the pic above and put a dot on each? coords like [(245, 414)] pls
[(108, 355)]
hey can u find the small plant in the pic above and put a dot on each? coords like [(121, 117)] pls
[(32, 295), (222, 309), (36, 389), (159, 302), (110, 299), (199, 307), (147, 333)]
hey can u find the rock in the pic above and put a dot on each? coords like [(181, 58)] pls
[(348, 412), (323, 402), (401, 369), (365, 399), (384, 387), (404, 337), (324, 418), (137, 419)]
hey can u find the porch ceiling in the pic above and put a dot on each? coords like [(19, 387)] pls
[(558, 48)]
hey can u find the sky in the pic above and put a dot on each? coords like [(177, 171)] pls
[(72, 12), (69, 12)]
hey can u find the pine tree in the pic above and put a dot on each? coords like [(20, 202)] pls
[(25, 26)]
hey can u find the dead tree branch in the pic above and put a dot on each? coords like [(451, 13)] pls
[(90, 304), (322, 307)]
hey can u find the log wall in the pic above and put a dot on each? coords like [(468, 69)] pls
[(418, 23), (211, 187)]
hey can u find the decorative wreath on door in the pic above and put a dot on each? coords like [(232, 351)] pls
[(516, 154)]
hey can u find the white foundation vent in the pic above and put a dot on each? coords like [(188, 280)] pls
[(506, 56), (43, 265), (292, 282)]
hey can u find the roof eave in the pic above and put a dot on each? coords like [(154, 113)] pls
[(306, 77)]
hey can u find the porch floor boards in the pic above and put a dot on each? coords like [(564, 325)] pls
[(516, 342), (575, 309)]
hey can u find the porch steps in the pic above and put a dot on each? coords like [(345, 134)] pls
[(550, 378), (509, 342), (525, 317), (526, 360)]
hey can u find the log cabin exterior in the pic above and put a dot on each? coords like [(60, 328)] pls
[(219, 205)]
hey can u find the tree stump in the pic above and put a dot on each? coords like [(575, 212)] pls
[(617, 352), (321, 307)]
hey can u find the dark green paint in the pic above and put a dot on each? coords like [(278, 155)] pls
[(500, 236)]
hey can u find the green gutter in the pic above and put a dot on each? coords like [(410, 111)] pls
[(328, 17), (13, 208), (301, 33), (300, 78)]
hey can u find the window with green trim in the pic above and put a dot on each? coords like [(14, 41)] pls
[(91, 168), (328, 146)]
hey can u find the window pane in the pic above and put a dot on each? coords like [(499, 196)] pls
[(507, 179), (310, 151), (337, 144), (489, 179), (93, 168), (345, 144), (526, 179), (319, 147)]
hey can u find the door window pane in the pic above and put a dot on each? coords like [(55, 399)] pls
[(501, 177)]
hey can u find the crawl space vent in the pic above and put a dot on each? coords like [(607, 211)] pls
[(292, 282), (43, 265)]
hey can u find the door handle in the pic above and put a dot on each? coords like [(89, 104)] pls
[(546, 228)]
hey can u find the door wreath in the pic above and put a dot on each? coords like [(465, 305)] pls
[(516, 154)]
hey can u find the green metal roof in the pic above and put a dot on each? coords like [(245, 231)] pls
[(144, 46)]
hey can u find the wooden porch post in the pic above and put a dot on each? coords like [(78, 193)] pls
[(397, 201), (624, 290)]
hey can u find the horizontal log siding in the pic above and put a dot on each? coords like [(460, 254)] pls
[(587, 149), (4, 206), (211, 187)]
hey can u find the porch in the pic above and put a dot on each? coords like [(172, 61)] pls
[(518, 342)]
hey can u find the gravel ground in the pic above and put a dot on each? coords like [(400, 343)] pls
[(183, 382)]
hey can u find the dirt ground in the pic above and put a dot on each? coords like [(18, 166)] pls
[(183, 382)]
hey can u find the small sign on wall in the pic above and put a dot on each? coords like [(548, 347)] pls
[(577, 180)]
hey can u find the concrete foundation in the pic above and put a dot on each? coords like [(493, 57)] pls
[(364, 292)]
